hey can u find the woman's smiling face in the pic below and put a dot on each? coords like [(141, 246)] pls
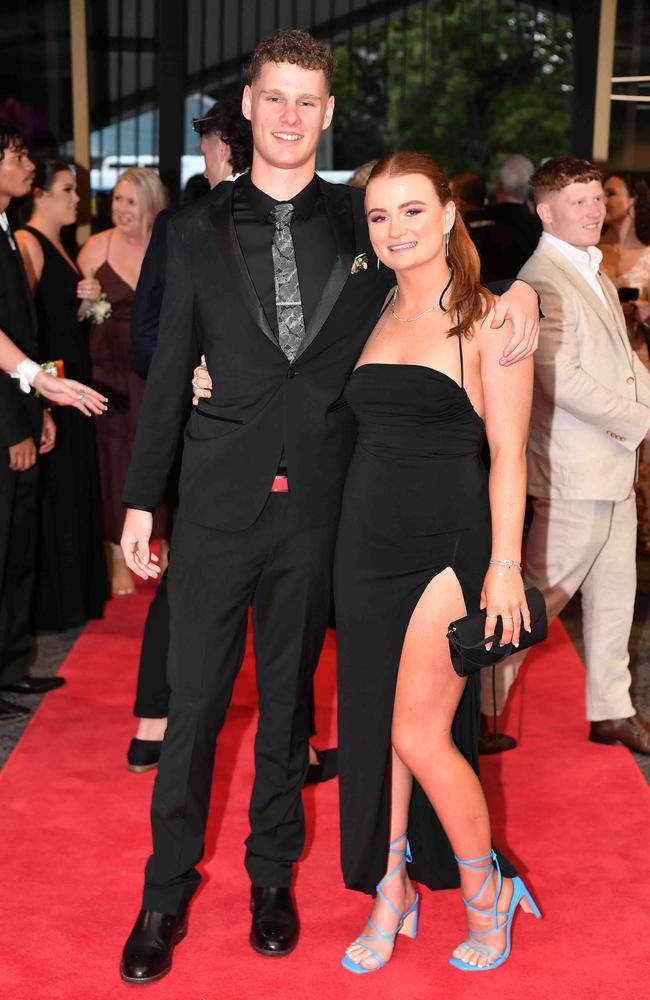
[(406, 220)]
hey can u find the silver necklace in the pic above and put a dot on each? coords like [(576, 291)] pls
[(409, 319)]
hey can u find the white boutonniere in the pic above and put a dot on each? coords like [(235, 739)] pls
[(99, 310), (360, 263)]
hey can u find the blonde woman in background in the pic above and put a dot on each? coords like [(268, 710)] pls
[(114, 257)]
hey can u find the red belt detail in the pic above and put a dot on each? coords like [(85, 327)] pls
[(280, 484)]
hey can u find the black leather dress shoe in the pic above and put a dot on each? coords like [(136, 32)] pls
[(147, 954), (143, 755), (34, 685), (12, 713), (327, 767), (490, 742), (274, 930), (633, 733)]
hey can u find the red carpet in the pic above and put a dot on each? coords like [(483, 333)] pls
[(74, 836)]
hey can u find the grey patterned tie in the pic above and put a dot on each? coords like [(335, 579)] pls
[(288, 304)]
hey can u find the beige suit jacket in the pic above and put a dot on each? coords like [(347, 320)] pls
[(591, 399)]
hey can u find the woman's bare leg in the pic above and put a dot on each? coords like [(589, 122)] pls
[(427, 696), (151, 729), (399, 890)]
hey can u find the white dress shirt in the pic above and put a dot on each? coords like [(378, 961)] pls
[(587, 262)]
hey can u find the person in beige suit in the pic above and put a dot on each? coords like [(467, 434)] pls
[(591, 412)]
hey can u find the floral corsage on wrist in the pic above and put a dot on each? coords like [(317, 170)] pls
[(360, 263), (55, 368), (98, 311)]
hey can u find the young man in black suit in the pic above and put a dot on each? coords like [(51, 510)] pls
[(26, 429), (274, 280), (227, 147)]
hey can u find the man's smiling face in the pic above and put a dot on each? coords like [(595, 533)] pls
[(288, 108), (575, 214)]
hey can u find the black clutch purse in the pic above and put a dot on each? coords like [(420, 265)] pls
[(467, 640)]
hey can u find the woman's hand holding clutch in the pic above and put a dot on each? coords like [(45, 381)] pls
[(503, 597)]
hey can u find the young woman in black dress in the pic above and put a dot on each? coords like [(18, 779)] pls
[(426, 536), (72, 583)]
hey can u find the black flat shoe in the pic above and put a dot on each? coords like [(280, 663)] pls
[(147, 954), (143, 755), (326, 769), (275, 929), (12, 713), (34, 685)]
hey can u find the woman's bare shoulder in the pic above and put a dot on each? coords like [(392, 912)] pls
[(482, 328), (94, 249), (28, 242)]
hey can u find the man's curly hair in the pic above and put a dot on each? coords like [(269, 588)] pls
[(558, 173), (225, 118), (293, 46)]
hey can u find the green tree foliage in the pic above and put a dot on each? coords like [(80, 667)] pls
[(468, 82)]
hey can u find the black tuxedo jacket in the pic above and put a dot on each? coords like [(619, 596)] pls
[(260, 402), (21, 415)]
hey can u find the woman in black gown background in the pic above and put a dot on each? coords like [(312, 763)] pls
[(72, 583), (415, 548)]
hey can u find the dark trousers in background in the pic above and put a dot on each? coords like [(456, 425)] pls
[(18, 530), (214, 576), (152, 693)]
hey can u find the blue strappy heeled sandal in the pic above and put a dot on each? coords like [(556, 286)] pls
[(520, 897), (407, 921)]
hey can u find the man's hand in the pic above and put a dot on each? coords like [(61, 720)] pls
[(48, 434), (521, 306), (22, 455), (135, 544), (201, 383)]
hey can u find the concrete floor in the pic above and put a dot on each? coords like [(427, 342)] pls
[(53, 647)]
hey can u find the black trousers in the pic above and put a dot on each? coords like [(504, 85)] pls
[(214, 576), (18, 530), (153, 692)]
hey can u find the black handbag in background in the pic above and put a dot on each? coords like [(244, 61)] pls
[(467, 639)]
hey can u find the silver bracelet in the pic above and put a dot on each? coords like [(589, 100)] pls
[(509, 563)]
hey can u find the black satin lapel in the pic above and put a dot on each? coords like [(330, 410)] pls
[(230, 254), (341, 219)]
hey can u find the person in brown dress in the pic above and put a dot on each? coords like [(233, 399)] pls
[(114, 257)]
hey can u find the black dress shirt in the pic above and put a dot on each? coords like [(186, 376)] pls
[(312, 235)]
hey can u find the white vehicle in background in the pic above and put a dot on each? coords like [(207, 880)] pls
[(105, 176)]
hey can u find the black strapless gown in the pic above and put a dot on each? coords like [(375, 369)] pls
[(415, 502)]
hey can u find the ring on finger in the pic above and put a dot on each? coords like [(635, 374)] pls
[(489, 615), (507, 617)]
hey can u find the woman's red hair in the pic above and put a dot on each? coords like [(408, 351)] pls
[(467, 300)]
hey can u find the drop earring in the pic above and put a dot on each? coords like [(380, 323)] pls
[(446, 245), (378, 263)]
